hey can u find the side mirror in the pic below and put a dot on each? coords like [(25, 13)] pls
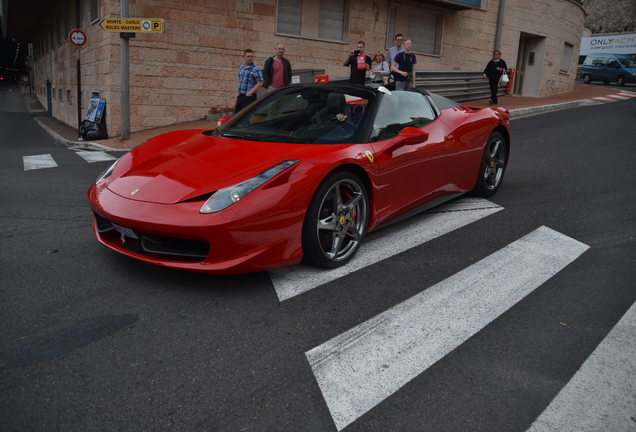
[(222, 120), (407, 136)]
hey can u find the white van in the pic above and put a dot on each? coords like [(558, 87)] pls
[(618, 68)]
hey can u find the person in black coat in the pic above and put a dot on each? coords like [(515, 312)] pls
[(494, 70)]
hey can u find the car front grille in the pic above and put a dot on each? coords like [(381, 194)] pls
[(174, 248)]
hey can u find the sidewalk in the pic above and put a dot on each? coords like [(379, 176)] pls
[(583, 94)]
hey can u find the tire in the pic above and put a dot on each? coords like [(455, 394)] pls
[(587, 79), (336, 221), (493, 166), (620, 80)]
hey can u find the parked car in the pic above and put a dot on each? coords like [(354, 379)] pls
[(618, 68), (301, 174)]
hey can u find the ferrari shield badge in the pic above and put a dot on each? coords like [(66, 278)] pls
[(369, 155)]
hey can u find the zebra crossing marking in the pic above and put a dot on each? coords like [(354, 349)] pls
[(601, 396), (384, 243), (96, 156), (363, 366), (623, 95), (47, 161), (38, 162)]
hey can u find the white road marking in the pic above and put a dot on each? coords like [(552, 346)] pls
[(95, 156), (38, 162), (292, 281), (601, 396), (604, 99), (363, 366)]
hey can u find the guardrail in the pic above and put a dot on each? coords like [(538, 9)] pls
[(460, 86)]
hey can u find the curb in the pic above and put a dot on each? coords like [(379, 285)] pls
[(522, 112), (79, 145)]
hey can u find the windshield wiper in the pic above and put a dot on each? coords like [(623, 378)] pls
[(249, 137)]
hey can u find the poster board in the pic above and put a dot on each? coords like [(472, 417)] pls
[(95, 109)]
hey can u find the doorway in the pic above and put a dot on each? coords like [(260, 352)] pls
[(530, 59), (522, 53)]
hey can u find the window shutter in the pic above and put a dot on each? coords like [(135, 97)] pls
[(567, 57), (289, 17), (331, 19), (423, 31)]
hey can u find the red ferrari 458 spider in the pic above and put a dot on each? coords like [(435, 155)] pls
[(301, 174)]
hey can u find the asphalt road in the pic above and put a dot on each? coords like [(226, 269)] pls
[(91, 340)]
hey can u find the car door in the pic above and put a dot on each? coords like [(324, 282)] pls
[(411, 150), (611, 71), (600, 69)]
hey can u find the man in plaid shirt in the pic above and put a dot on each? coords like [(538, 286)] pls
[(250, 80)]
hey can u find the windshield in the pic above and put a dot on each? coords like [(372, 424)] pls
[(313, 115), (399, 110), (629, 63)]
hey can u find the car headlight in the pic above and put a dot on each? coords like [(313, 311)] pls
[(223, 198), (106, 173)]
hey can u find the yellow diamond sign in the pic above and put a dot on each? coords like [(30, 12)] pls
[(144, 25)]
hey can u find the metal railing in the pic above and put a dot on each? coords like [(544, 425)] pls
[(460, 86)]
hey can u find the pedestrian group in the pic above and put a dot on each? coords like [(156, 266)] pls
[(395, 71)]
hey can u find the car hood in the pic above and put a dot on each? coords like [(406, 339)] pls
[(195, 166)]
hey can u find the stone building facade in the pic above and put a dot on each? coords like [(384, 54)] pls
[(190, 71)]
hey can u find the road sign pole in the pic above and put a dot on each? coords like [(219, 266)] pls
[(78, 39), (79, 92), (125, 78)]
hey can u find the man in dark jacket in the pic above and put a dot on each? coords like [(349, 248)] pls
[(277, 71), (359, 63)]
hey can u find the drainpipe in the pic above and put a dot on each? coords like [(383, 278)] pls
[(502, 3)]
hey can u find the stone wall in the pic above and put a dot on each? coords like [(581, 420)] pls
[(615, 16)]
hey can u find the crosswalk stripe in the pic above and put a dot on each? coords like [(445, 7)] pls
[(38, 162), (603, 99), (292, 281), (601, 396), (95, 156), (363, 366)]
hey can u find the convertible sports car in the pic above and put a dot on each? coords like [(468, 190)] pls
[(301, 174)]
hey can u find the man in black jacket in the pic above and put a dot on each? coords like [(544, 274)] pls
[(277, 71)]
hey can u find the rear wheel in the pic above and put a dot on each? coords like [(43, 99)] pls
[(336, 221), (620, 80), (493, 166), (587, 79)]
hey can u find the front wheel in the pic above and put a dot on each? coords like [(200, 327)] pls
[(493, 166), (336, 221), (587, 79)]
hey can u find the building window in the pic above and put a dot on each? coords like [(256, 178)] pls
[(68, 96), (297, 18), (423, 27), (566, 60), (59, 92), (94, 10)]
